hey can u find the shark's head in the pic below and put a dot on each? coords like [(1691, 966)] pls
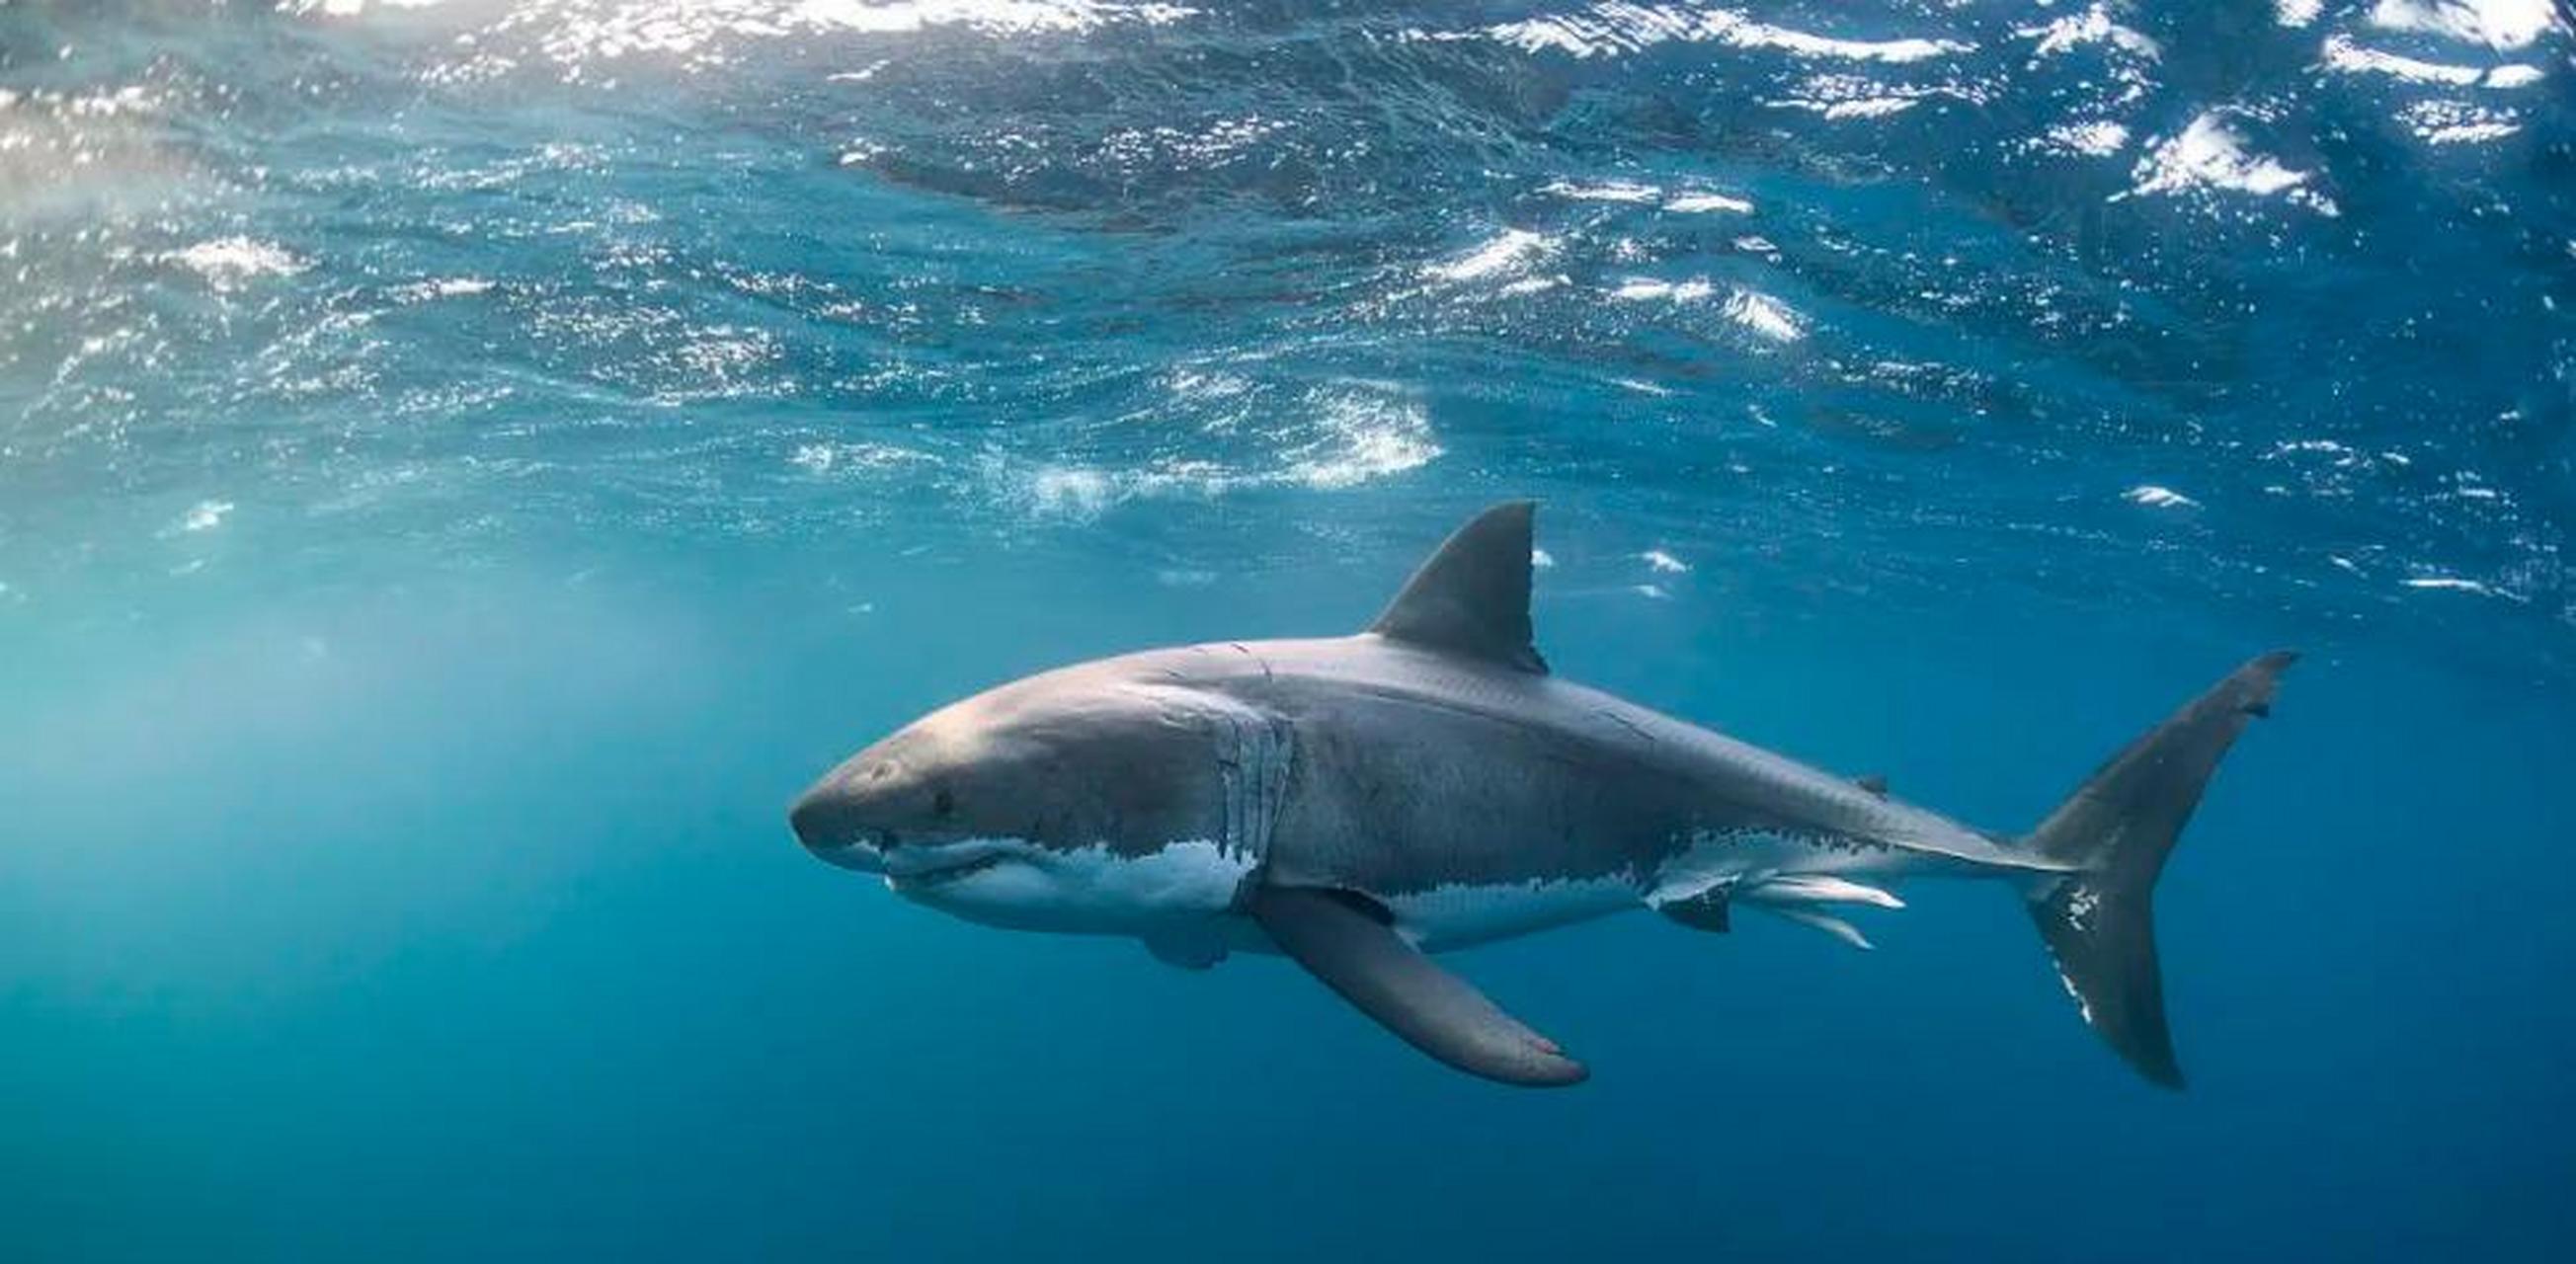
[(1072, 801)]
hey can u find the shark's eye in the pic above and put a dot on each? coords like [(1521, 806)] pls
[(943, 802)]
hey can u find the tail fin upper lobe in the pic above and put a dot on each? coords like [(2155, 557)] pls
[(2119, 826)]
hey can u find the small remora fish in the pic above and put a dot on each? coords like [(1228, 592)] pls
[(1361, 802)]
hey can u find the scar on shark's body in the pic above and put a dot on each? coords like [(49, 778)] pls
[(1359, 803)]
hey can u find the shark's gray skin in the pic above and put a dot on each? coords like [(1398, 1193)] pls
[(1360, 802)]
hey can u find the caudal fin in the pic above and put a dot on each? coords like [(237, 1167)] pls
[(2118, 828)]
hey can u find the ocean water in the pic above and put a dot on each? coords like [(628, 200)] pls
[(466, 465)]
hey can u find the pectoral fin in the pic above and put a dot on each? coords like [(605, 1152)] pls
[(1190, 948), (1348, 941)]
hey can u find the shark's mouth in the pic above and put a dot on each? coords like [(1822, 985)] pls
[(944, 874), (917, 867)]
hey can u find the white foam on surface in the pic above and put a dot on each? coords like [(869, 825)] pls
[(1351, 434), (2211, 155), (1765, 315), (1707, 203), (1618, 27), (205, 515), (1365, 437), (2455, 583), (823, 458), (1608, 191), (1071, 491), (350, 8), (445, 287), (2342, 54), (2469, 133), (1852, 107), (2458, 123), (230, 263), (1645, 289), (2503, 25), (2096, 138), (1506, 253), (2092, 26), (990, 16), (2155, 497), (705, 34)]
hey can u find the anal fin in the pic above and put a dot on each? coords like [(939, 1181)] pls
[(1709, 911), (1349, 942)]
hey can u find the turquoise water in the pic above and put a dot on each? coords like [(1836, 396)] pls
[(465, 466)]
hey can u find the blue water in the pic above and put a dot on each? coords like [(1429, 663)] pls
[(464, 466)]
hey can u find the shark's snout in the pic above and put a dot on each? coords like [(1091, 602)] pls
[(834, 825), (817, 819)]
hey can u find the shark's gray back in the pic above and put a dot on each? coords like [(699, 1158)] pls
[(1411, 768)]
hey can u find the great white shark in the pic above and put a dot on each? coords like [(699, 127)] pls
[(1359, 803)]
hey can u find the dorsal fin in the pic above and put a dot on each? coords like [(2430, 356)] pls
[(1473, 596), (1874, 782)]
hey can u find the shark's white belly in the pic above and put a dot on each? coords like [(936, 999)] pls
[(1459, 915), (1187, 891), (1774, 872), (1017, 885)]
